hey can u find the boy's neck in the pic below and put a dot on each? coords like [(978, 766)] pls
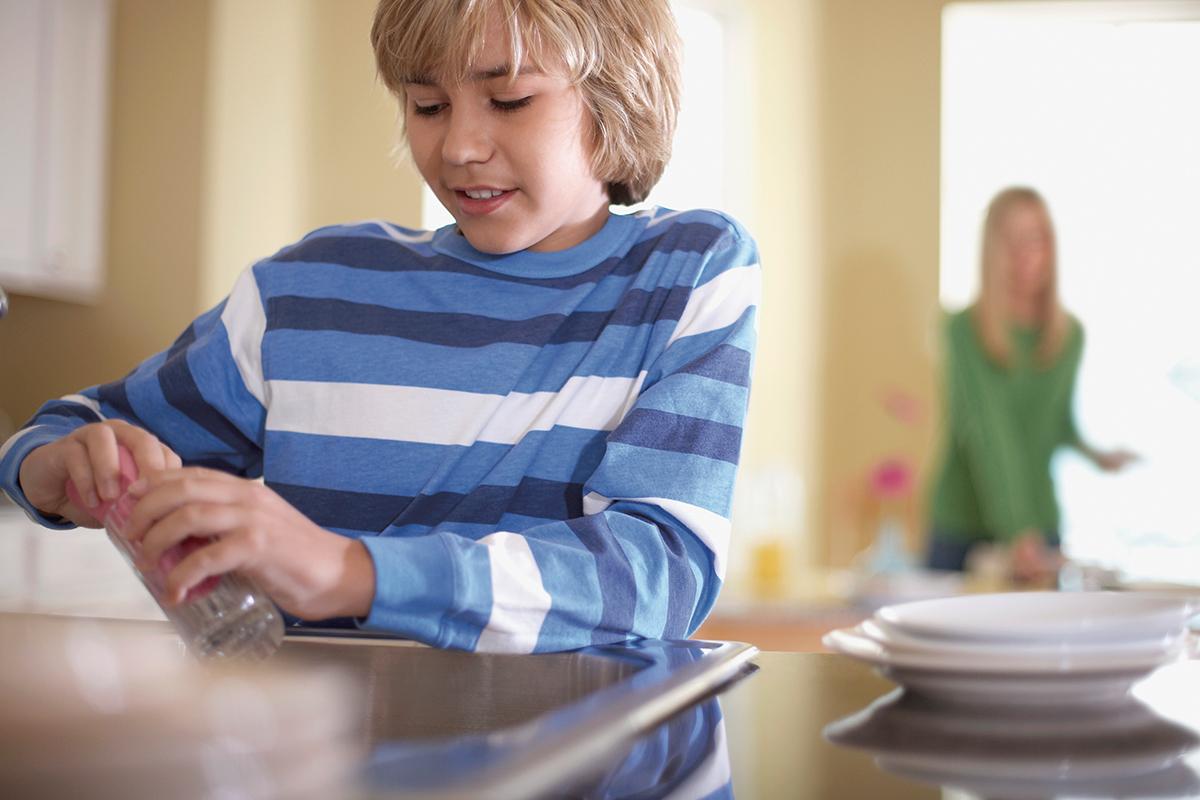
[(574, 233)]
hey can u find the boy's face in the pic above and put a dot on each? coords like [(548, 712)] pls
[(511, 162)]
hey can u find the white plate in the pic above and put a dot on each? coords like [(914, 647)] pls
[(1042, 616), (1051, 653), (989, 680), (1031, 690), (853, 642)]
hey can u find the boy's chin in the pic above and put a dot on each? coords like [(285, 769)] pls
[(493, 244)]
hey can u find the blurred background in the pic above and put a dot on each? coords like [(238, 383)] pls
[(154, 148)]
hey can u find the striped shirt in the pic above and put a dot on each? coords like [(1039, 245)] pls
[(537, 449)]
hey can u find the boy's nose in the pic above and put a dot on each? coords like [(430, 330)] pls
[(467, 140)]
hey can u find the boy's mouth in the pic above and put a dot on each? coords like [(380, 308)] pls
[(478, 201)]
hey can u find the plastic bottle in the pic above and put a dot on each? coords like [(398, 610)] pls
[(225, 616)]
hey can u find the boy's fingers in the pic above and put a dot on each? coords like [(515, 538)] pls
[(79, 470), (101, 444), (201, 519), (170, 493), (147, 453), (213, 559), (148, 483)]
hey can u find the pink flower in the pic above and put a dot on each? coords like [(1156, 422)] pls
[(891, 479)]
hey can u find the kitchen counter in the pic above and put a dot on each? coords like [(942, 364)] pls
[(766, 733), (787, 725)]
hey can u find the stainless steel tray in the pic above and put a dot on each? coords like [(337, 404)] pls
[(448, 724)]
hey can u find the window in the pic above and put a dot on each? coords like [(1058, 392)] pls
[(1094, 104)]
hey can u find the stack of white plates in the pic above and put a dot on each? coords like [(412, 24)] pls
[(1031, 648)]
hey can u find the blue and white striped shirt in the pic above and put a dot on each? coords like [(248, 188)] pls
[(537, 449)]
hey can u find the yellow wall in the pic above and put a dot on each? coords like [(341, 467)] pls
[(783, 96), (300, 134), (880, 148), (256, 138), (846, 154)]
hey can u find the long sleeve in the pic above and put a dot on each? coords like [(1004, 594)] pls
[(1070, 429), (646, 557), (988, 431), (203, 397)]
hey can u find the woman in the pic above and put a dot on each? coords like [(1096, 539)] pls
[(1011, 362)]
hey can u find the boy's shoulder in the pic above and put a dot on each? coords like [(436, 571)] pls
[(371, 229), (348, 240), (716, 224), (722, 241)]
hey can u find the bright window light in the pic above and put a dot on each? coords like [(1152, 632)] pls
[(1094, 105)]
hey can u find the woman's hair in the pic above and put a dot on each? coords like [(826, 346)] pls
[(991, 311), (623, 55)]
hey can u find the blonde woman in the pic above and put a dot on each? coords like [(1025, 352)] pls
[(1011, 361)]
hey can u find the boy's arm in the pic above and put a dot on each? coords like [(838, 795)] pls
[(647, 557), (203, 397)]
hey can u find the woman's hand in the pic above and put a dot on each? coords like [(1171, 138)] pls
[(1033, 561), (310, 572), (88, 456), (1114, 460)]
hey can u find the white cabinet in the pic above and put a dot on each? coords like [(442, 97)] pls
[(54, 65)]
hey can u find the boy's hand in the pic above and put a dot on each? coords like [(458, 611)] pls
[(310, 572), (88, 456)]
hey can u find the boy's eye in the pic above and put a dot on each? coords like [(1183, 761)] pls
[(511, 105), (427, 110)]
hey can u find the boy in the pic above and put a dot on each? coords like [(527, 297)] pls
[(515, 433)]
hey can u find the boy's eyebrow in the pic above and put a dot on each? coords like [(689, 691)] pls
[(502, 71), (498, 71)]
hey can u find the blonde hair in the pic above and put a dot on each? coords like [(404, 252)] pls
[(991, 312), (623, 55)]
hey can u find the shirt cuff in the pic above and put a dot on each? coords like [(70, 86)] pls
[(414, 587), (15, 449)]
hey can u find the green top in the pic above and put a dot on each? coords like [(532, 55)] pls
[(1003, 426)]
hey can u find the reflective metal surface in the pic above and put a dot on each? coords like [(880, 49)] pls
[(656, 720), (1122, 750), (822, 726), (451, 724)]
